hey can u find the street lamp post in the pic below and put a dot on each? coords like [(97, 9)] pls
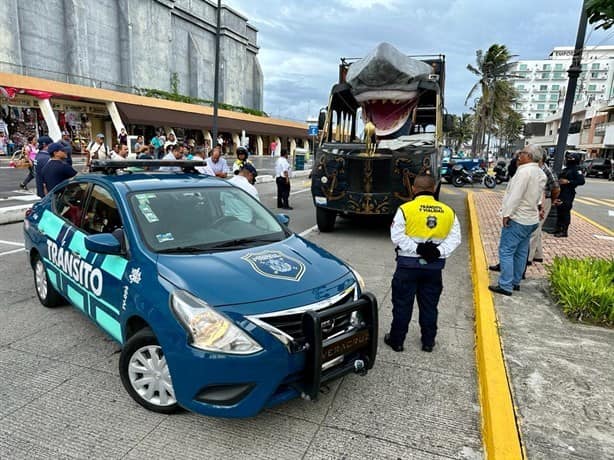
[(216, 77)]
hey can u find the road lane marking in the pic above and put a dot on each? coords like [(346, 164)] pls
[(595, 200), (11, 243), (304, 233), (611, 213), (583, 201), (592, 222), (12, 252), (300, 191), (603, 237)]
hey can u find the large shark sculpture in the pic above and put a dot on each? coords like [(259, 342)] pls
[(385, 84)]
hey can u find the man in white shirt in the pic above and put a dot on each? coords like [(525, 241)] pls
[(245, 179), (173, 155), (218, 164), (521, 214), (121, 155), (282, 179), (199, 155)]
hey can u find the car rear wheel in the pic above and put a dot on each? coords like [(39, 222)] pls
[(45, 291), (325, 219), (145, 373)]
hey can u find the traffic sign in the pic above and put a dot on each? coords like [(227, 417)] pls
[(313, 130)]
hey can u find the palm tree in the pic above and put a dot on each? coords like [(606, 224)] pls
[(494, 72), (462, 130), (510, 128), (601, 12)]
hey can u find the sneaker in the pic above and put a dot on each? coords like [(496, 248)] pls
[(388, 342), (516, 287), (499, 290), (495, 268)]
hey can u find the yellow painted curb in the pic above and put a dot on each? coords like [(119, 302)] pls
[(592, 222), (500, 433)]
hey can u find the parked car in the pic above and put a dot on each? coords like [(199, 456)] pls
[(217, 306), (598, 167)]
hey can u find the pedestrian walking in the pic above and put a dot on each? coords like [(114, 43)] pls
[(57, 169), (569, 179), (30, 151), (42, 157), (282, 179), (425, 232), (520, 216), (551, 193)]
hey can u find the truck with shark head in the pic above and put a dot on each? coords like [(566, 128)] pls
[(399, 100)]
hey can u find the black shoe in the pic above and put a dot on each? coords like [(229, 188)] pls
[(288, 207), (529, 263), (427, 348), (537, 259), (561, 235), (23, 186), (499, 290), (387, 341), (516, 287), (495, 268)]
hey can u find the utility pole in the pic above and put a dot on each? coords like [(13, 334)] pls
[(216, 84), (574, 72)]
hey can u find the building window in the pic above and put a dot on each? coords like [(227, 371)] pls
[(543, 87), (541, 97), (546, 67), (538, 116), (594, 74), (558, 66), (520, 87), (555, 87), (545, 76), (541, 106), (523, 67), (554, 97), (584, 66), (592, 87), (558, 75), (552, 106), (595, 66)]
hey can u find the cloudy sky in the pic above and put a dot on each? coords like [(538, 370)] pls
[(302, 41)]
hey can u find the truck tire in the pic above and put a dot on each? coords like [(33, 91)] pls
[(325, 219)]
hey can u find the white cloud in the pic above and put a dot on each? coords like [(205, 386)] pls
[(369, 4)]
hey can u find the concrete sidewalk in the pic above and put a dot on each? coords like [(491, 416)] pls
[(561, 373)]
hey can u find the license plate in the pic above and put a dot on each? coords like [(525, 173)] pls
[(345, 346)]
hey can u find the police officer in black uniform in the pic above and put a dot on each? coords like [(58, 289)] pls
[(569, 179), (425, 232)]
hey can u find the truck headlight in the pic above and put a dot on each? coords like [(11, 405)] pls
[(209, 329)]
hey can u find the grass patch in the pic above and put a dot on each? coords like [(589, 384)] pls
[(584, 288)]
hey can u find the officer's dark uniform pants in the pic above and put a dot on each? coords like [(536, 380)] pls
[(408, 283), (283, 192), (563, 214)]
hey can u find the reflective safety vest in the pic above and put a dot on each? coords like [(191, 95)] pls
[(427, 219)]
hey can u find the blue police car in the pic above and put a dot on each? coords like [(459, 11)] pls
[(218, 307)]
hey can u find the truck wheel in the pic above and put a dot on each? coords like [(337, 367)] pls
[(45, 291), (457, 181), (325, 219), (145, 374), (489, 181)]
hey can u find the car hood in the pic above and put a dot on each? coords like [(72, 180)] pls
[(276, 270)]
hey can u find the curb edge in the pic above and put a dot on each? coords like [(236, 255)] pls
[(500, 434)]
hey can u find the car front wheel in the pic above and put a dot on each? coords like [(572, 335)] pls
[(145, 373), (45, 291)]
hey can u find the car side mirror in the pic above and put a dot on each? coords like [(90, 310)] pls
[(103, 243), (283, 219)]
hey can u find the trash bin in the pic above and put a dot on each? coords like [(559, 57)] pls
[(299, 161)]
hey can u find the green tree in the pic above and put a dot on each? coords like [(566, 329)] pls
[(510, 129), (461, 132), (494, 69), (600, 12)]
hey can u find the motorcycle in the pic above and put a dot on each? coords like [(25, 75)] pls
[(500, 171), (460, 177)]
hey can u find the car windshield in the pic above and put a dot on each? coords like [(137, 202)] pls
[(204, 219)]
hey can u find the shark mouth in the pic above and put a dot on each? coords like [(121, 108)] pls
[(389, 111)]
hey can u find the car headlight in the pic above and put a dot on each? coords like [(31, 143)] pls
[(209, 329), (359, 279)]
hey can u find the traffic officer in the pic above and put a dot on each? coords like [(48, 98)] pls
[(569, 179), (425, 232)]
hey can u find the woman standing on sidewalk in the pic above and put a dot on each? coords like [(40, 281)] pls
[(30, 152)]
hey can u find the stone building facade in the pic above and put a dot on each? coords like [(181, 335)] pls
[(130, 44)]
